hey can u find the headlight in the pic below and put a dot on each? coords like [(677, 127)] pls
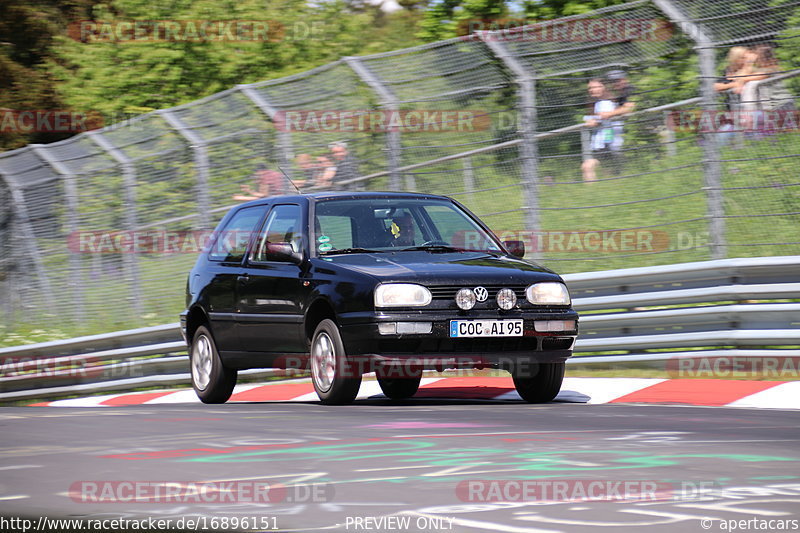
[(465, 299), (401, 295), (548, 293), (506, 299)]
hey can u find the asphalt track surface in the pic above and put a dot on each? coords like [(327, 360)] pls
[(418, 461)]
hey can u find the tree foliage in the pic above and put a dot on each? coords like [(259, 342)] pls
[(27, 32), (451, 18), (117, 77), (43, 67), (550, 9)]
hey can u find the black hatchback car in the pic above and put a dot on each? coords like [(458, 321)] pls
[(391, 283)]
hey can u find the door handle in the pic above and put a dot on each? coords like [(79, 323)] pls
[(243, 277)]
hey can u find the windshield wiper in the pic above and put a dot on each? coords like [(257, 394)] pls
[(352, 251), (432, 248), (443, 248)]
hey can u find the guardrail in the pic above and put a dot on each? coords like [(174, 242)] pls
[(709, 304), (727, 304)]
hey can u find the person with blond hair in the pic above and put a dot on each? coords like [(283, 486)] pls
[(737, 72), (739, 65)]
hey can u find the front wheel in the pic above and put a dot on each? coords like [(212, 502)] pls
[(213, 382), (543, 386), (399, 387), (335, 379)]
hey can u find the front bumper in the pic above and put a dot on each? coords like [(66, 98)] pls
[(438, 350)]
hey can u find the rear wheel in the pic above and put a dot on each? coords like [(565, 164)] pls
[(399, 387), (212, 381), (335, 379), (542, 386)]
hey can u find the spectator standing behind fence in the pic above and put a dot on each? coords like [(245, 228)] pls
[(756, 69), (268, 183), (769, 96), (602, 140), (305, 164), (325, 174), (739, 65), (623, 94), (343, 159)]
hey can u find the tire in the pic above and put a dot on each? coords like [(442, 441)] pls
[(212, 381), (335, 379), (543, 386), (399, 388)]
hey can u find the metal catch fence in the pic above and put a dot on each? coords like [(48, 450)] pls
[(97, 232)]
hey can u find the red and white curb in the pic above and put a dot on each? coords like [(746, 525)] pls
[(708, 392)]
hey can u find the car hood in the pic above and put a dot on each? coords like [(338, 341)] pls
[(443, 268)]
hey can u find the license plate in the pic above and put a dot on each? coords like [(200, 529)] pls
[(486, 328)]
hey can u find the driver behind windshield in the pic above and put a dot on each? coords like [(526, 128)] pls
[(402, 230)]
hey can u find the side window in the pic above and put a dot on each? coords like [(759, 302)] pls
[(231, 243), (284, 224), (334, 232)]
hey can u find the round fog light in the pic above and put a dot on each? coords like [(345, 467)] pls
[(506, 299), (465, 299)]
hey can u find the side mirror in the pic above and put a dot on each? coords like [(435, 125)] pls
[(515, 248), (283, 251)]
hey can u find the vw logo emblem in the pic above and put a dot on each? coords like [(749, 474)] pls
[(481, 294)]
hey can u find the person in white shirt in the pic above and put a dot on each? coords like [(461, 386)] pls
[(602, 140)]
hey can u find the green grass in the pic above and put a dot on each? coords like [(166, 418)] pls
[(664, 195), (677, 221)]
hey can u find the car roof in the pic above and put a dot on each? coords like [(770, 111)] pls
[(315, 196)]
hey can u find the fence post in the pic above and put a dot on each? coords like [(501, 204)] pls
[(389, 103), (130, 260), (469, 177), (29, 237), (7, 255), (529, 149), (71, 198), (200, 153), (712, 170), (668, 136), (586, 144), (284, 137)]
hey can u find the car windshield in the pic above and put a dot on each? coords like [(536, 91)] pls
[(396, 224)]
